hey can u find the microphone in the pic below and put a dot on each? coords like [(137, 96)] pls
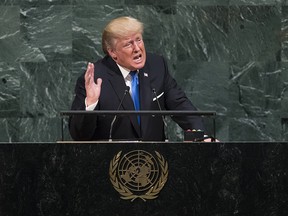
[(163, 118), (114, 119)]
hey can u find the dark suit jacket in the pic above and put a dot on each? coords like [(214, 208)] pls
[(153, 75)]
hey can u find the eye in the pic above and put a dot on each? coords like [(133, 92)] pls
[(129, 44)]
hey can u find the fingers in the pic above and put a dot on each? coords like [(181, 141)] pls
[(99, 82), (89, 75)]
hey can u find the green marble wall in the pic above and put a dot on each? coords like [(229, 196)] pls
[(230, 56)]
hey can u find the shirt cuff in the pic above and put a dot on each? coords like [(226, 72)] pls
[(91, 107)]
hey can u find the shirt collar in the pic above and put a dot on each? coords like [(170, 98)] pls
[(125, 72)]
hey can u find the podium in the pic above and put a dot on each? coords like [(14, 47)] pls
[(74, 178), (153, 113)]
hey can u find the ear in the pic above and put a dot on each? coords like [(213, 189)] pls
[(112, 53)]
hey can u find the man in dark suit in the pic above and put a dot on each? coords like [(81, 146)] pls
[(103, 86)]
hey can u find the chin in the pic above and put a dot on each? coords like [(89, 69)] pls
[(140, 66)]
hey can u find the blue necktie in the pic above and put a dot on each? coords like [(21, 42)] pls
[(135, 91)]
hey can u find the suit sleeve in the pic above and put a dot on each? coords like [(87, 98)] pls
[(176, 99), (81, 127)]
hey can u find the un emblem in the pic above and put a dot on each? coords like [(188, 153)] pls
[(138, 174)]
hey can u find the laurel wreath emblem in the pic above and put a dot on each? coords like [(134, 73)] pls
[(127, 194)]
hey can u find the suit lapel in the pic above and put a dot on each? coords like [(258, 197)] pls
[(145, 95), (118, 83), (145, 89)]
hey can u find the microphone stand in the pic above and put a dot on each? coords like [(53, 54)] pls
[(163, 118), (115, 117)]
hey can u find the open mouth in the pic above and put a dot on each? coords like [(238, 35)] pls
[(137, 58)]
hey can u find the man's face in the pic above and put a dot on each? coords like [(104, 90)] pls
[(129, 52)]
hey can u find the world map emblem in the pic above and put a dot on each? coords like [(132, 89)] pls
[(138, 174)]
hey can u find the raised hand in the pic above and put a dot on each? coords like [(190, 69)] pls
[(92, 89)]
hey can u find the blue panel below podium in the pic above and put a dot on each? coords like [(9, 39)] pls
[(138, 178)]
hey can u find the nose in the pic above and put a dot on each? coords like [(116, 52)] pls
[(136, 47)]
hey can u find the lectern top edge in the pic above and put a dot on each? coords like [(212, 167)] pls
[(141, 112)]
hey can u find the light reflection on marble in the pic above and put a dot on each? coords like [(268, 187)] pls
[(46, 88), (202, 33), (45, 2), (9, 33), (254, 85), (9, 90), (87, 31), (49, 29)]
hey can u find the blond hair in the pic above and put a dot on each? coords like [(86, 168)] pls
[(119, 28)]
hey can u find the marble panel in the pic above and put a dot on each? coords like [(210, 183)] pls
[(284, 34), (255, 2), (48, 29), (221, 127), (253, 89), (34, 3), (9, 129), (206, 85), (62, 133), (10, 2), (202, 33), (150, 2), (254, 33), (40, 129), (255, 129), (46, 89), (204, 2), (88, 23), (97, 2), (284, 129), (284, 134), (9, 90), (77, 69), (9, 33), (284, 102), (12, 43)]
